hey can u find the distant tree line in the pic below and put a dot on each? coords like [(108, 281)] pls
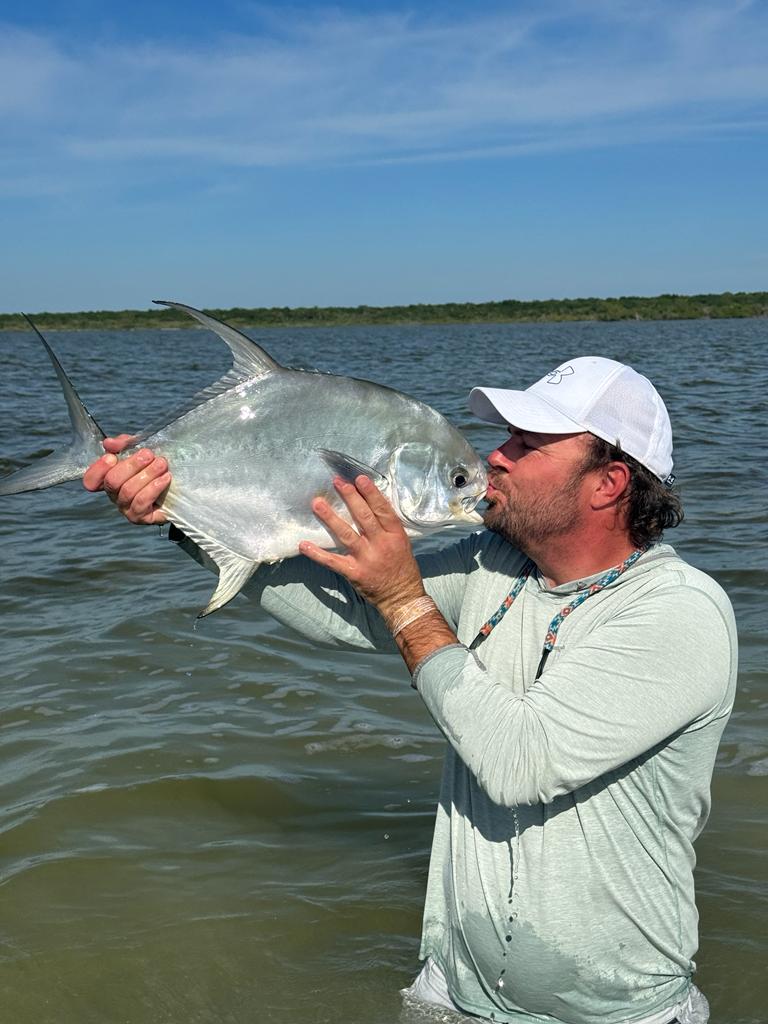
[(626, 307)]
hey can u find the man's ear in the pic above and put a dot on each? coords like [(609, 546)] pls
[(611, 484)]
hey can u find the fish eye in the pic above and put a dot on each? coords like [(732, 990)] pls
[(459, 476)]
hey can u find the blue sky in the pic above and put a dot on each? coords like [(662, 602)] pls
[(257, 154)]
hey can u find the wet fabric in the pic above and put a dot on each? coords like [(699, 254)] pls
[(430, 987)]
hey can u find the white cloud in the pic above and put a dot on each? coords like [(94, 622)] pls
[(332, 87)]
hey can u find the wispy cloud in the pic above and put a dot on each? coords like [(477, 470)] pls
[(323, 86)]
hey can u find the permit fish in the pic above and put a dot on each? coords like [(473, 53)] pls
[(250, 452)]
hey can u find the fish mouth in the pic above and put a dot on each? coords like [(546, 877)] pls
[(465, 509)]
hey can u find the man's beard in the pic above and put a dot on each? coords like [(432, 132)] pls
[(528, 521)]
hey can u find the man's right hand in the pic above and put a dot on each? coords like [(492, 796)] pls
[(134, 484)]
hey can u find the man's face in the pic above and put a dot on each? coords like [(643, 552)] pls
[(536, 491)]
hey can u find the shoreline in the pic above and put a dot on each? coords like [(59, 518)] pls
[(724, 305)]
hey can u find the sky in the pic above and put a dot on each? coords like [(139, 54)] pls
[(257, 154)]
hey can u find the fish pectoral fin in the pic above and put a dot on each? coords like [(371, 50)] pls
[(234, 573), (348, 468)]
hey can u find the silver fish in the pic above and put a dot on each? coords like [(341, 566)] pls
[(249, 453)]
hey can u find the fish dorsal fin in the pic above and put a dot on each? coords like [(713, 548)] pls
[(250, 359), (234, 570)]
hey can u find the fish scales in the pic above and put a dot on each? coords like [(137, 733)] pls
[(250, 484)]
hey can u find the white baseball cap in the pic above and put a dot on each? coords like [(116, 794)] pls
[(591, 394)]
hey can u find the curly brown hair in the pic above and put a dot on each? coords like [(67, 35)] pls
[(652, 507)]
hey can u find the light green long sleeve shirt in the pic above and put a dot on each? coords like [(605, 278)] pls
[(561, 877)]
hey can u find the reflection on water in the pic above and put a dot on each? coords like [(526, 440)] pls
[(224, 824)]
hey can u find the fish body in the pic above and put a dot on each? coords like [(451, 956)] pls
[(250, 453)]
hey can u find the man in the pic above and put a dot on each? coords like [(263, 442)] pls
[(582, 674)]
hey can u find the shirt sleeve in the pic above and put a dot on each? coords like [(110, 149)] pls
[(326, 609), (664, 664)]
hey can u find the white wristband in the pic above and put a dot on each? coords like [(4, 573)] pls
[(410, 612)]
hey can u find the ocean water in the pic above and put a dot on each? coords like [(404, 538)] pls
[(224, 825)]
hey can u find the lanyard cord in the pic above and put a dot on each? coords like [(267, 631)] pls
[(551, 637), (506, 604)]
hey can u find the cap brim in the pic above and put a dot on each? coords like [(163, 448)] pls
[(521, 409)]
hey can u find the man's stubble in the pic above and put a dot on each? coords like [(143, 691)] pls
[(530, 520)]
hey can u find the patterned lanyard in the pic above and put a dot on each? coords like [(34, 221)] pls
[(549, 640)]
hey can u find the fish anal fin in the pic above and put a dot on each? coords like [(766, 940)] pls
[(234, 570), (348, 468), (234, 573)]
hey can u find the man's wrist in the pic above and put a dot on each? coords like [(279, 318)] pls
[(392, 607), (409, 613), (424, 636)]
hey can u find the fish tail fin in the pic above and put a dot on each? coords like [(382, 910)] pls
[(71, 462)]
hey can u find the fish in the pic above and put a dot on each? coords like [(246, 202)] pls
[(249, 453)]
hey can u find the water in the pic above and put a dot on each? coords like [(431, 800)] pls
[(224, 825)]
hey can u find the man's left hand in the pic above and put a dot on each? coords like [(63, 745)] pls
[(378, 559)]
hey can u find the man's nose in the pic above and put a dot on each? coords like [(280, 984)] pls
[(506, 454)]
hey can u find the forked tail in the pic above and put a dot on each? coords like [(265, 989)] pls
[(71, 462)]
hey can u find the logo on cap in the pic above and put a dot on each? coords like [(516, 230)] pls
[(555, 376)]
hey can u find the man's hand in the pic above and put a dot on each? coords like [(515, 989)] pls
[(379, 563), (134, 484)]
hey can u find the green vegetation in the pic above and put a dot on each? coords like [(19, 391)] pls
[(628, 307)]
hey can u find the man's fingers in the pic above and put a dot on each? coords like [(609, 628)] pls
[(345, 535), (117, 444), (379, 505), (142, 508), (358, 505), (155, 518), (332, 561), (93, 478), (130, 488), (126, 470)]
